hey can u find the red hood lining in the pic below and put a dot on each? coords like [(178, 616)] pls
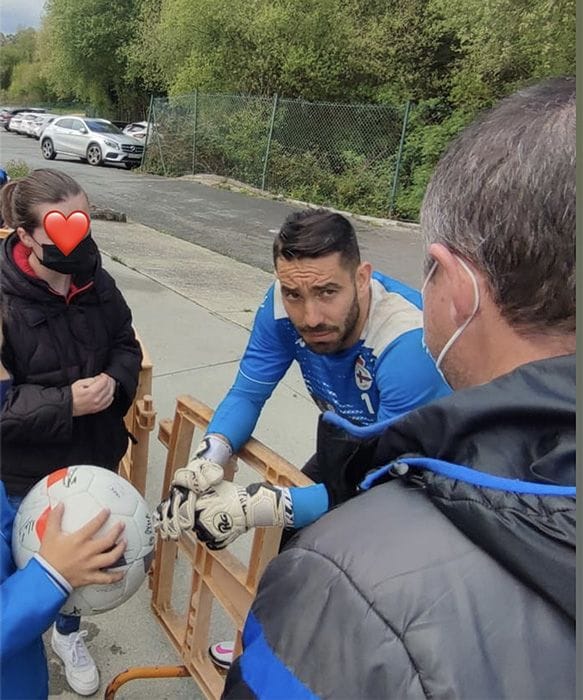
[(21, 255)]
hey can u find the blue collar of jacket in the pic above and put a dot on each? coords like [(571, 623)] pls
[(498, 460), (467, 474)]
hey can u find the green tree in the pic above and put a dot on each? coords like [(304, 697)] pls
[(450, 59), (29, 85), (338, 50), (82, 49), (504, 44), (15, 49), (21, 78), (496, 47), (142, 54)]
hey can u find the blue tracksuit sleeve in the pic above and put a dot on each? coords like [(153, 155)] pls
[(266, 359), (30, 602), (406, 377), (237, 414), (309, 503)]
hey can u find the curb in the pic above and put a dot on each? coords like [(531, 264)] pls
[(219, 182), (105, 214)]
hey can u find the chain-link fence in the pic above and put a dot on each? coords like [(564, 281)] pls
[(342, 155)]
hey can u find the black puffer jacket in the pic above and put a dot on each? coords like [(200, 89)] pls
[(49, 343), (431, 585)]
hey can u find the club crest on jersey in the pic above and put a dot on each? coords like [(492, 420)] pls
[(361, 374)]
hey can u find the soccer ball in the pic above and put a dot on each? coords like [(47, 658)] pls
[(85, 490)]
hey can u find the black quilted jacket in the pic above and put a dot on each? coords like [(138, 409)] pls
[(428, 586), (48, 344)]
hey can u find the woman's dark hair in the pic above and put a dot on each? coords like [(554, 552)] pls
[(19, 198), (314, 233)]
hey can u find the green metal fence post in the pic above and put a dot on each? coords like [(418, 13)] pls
[(399, 156), (194, 133), (148, 127), (273, 111)]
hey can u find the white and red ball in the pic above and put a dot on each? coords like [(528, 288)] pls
[(85, 490)]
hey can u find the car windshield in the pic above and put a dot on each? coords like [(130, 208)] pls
[(102, 127)]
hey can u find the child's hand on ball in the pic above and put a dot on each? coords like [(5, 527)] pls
[(77, 556)]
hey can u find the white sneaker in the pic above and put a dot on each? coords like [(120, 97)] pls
[(222, 654), (80, 669)]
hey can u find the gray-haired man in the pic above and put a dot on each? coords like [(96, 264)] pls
[(453, 574)]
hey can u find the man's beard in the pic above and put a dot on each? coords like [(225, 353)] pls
[(331, 346)]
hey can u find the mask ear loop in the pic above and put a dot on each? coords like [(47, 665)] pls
[(429, 276), (464, 325)]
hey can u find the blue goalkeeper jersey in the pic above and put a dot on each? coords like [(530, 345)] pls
[(385, 374)]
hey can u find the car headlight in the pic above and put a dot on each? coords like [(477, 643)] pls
[(111, 144)]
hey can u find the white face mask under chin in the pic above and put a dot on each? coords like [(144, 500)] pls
[(465, 324)]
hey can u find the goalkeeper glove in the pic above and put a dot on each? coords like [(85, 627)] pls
[(228, 510), (177, 512)]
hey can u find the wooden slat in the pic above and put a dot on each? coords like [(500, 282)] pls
[(139, 421), (216, 576)]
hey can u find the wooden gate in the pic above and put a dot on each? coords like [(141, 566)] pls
[(140, 421), (218, 576)]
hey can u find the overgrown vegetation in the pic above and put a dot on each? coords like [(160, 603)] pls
[(451, 58), (16, 169)]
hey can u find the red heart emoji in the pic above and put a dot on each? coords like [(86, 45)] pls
[(66, 232)]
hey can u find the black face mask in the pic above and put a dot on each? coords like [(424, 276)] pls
[(81, 260)]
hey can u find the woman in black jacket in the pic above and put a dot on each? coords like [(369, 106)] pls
[(74, 360)]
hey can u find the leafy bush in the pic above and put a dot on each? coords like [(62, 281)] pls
[(431, 129), (16, 169)]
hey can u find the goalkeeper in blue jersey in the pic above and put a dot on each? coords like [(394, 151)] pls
[(357, 337)]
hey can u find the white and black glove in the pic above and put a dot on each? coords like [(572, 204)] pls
[(228, 510), (177, 512)]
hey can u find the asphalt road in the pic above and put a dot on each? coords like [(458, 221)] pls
[(237, 225)]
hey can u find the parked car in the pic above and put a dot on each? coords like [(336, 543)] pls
[(28, 122), (6, 115), (22, 122), (42, 121), (17, 121), (138, 130), (95, 140), (25, 119)]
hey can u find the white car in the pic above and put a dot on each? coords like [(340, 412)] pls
[(97, 141), (138, 130), (42, 121), (28, 124), (17, 122), (8, 114)]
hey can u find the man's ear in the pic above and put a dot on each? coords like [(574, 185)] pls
[(25, 237), (362, 276), (454, 280)]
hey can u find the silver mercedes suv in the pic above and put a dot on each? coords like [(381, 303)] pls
[(95, 140)]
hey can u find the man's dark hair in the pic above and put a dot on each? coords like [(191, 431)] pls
[(503, 197), (313, 233)]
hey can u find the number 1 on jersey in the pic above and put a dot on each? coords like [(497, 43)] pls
[(366, 398)]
